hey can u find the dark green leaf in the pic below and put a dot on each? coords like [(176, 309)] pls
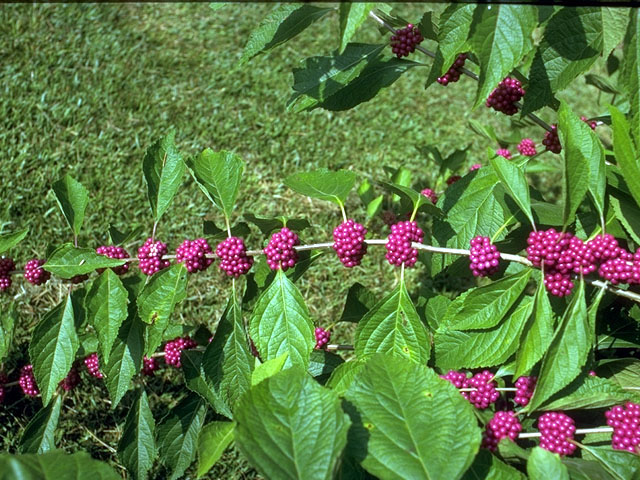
[(435, 310), (196, 381), (580, 469), (125, 359), (416, 198), (488, 467), (323, 184), (268, 225), (38, 435), (68, 261), (620, 464), (427, 27), (121, 238), (544, 465), (625, 153), (352, 15), (601, 83), (359, 301), (212, 232), (72, 198), (514, 182), (627, 213), (163, 170), (137, 446), (322, 363), (55, 465), (7, 329), (624, 372), (343, 375), (214, 439), (629, 78), (8, 240), (591, 392)]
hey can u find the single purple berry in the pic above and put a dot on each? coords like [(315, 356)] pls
[(593, 124)]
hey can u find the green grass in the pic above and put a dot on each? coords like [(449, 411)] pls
[(86, 88)]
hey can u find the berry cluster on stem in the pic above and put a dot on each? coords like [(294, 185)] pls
[(504, 97), (405, 40), (453, 74)]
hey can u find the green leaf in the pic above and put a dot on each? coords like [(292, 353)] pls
[(268, 369), (591, 392), (484, 307), (120, 238), (626, 212), (196, 381), (614, 25), (53, 348), (396, 402), (137, 446), (483, 348), (8, 240), (580, 469), (106, 305), (568, 351), (125, 359), (359, 301), (322, 363), (543, 465), (214, 439), (601, 83), (514, 182), (629, 78), (68, 261), (38, 435), (416, 198), (283, 23), (571, 43), (393, 326), (218, 175), (157, 301), (584, 163), (227, 360), (427, 27), (56, 465), (323, 184), (620, 464), (500, 37), (72, 198), (281, 426), (7, 329), (537, 334), (352, 16), (178, 434), (268, 225), (343, 375), (624, 372), (163, 170), (488, 467), (453, 32), (280, 323), (625, 153)]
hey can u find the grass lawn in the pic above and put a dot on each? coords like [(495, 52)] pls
[(87, 88)]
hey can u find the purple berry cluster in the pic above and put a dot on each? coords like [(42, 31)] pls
[(524, 390), (625, 421), (485, 392), (502, 425), (430, 194), (173, 350), (505, 95), (348, 243), (457, 379), (6, 267), (503, 152), (280, 252), (453, 74), (28, 382), (557, 431), (34, 273), (113, 251), (193, 253), (234, 260), (71, 381), (527, 147), (93, 365), (322, 337), (149, 365), (551, 140), (399, 249), (150, 255), (484, 257), (405, 40)]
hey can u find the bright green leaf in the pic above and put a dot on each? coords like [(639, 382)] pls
[(137, 446), (620, 464), (268, 369), (324, 184), (125, 359), (514, 182), (8, 240), (544, 465), (56, 465), (196, 381), (614, 26), (38, 435), (343, 375), (214, 439), (352, 16), (7, 329), (72, 198), (488, 467), (625, 153), (68, 261), (590, 392), (629, 78)]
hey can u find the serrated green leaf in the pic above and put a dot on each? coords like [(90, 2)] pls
[(500, 37), (218, 174), (68, 261), (359, 301), (393, 326), (395, 403), (428, 29), (157, 301), (280, 323), (280, 423), (196, 381), (56, 465), (580, 469), (7, 330), (106, 306), (483, 348), (514, 182), (620, 464), (8, 240), (283, 23), (625, 372), (543, 465), (324, 184), (590, 392), (629, 77), (626, 212), (38, 435), (214, 439), (489, 467), (125, 359), (435, 310), (178, 434), (268, 225), (416, 198), (268, 369), (625, 153), (352, 16), (322, 363), (120, 238), (484, 307), (53, 348), (137, 447), (163, 170), (72, 198), (568, 351), (614, 26), (343, 375)]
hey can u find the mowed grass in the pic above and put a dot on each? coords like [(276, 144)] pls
[(87, 88)]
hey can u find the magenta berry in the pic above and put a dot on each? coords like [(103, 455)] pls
[(593, 124), (193, 253), (551, 140), (616, 271), (527, 147), (113, 251), (405, 40), (457, 379), (502, 425), (34, 273), (505, 95), (605, 247), (475, 166), (78, 279), (503, 152), (626, 426), (399, 249), (6, 266), (322, 337), (592, 373), (485, 392), (93, 365), (453, 74), (547, 246), (556, 431), (28, 382), (525, 387), (234, 260), (149, 365), (348, 243), (173, 350), (453, 179), (71, 381), (484, 257), (280, 252), (430, 194), (150, 255)]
